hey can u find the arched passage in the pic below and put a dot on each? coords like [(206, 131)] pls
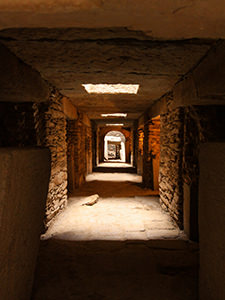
[(127, 138), (114, 146)]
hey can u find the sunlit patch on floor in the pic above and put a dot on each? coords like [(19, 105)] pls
[(114, 176), (130, 218)]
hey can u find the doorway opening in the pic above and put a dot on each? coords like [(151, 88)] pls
[(114, 147)]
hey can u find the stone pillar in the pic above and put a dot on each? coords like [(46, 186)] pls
[(211, 221), (79, 154), (24, 179), (106, 147), (154, 150), (123, 154), (140, 151), (147, 161), (94, 144), (50, 122), (171, 155)]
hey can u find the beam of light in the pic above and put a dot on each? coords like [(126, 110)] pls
[(111, 88), (123, 115)]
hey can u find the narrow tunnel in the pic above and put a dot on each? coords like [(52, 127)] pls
[(111, 160)]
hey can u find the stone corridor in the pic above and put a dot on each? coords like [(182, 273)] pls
[(112, 150)]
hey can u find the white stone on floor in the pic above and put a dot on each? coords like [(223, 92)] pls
[(128, 218)]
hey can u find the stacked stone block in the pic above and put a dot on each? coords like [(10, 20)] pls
[(50, 123), (170, 178)]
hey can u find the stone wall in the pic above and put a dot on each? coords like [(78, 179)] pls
[(44, 124), (182, 132), (170, 177), (50, 124), (202, 124), (79, 151)]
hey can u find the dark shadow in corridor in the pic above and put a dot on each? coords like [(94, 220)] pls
[(112, 270)]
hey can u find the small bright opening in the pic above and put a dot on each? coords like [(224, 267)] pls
[(111, 88), (123, 115), (119, 124)]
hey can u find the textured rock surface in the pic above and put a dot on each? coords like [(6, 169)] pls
[(50, 125), (24, 177), (182, 132), (170, 177), (157, 18), (67, 58)]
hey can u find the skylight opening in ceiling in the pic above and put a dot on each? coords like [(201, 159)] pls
[(118, 124), (111, 88), (122, 115)]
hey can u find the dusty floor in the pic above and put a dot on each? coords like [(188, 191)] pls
[(138, 218), (121, 258), (114, 164), (114, 167), (113, 185), (124, 211), (121, 177)]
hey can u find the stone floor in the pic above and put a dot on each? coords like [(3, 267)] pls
[(113, 218), (114, 164), (135, 218), (121, 248), (113, 270), (121, 177)]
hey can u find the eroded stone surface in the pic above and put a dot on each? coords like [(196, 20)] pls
[(170, 176), (68, 58), (50, 123), (157, 18)]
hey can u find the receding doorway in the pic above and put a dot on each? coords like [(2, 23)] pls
[(114, 146)]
